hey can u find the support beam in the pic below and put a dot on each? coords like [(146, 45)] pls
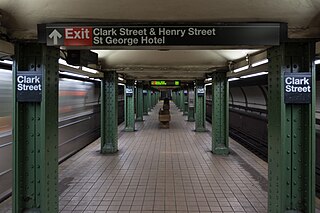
[(35, 133), (149, 100), (200, 107), (145, 102), (109, 113), (220, 113), (181, 107), (139, 105), (191, 103), (291, 133), (185, 102), (129, 106)]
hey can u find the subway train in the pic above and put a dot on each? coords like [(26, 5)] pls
[(79, 120), (248, 116)]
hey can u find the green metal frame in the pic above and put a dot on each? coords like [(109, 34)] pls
[(139, 104), (185, 104), (200, 109), (220, 113), (181, 107), (145, 103), (291, 135), (178, 99), (191, 117), (149, 100), (129, 108), (109, 113), (35, 133)]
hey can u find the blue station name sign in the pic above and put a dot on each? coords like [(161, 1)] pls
[(297, 88), (161, 34), (29, 86)]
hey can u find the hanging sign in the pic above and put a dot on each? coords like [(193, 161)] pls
[(29, 86), (160, 34), (200, 91), (297, 88), (129, 91)]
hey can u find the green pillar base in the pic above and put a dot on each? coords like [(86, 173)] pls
[(191, 120), (220, 150), (201, 129), (108, 150), (185, 113), (139, 120), (129, 129)]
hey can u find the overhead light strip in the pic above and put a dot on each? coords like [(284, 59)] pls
[(241, 68), (73, 74), (258, 63), (255, 74), (233, 79), (317, 61), (90, 70)]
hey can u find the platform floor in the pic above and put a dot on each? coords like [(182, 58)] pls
[(163, 170)]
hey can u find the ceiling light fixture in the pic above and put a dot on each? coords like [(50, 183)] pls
[(254, 74), (233, 79), (258, 63), (241, 68), (90, 70), (6, 62), (317, 61)]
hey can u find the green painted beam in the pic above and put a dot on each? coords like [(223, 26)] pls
[(220, 113), (181, 107), (291, 133), (149, 100), (185, 101), (109, 113), (145, 102), (139, 104), (200, 109), (129, 107), (35, 133), (191, 103)]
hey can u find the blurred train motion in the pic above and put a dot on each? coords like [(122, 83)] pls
[(79, 120)]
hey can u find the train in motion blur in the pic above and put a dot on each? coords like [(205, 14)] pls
[(248, 116), (79, 119)]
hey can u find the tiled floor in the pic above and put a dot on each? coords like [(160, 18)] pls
[(160, 170), (163, 170)]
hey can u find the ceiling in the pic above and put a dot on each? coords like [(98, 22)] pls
[(20, 18)]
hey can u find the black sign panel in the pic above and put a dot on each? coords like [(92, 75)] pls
[(162, 34), (129, 91), (297, 88), (29, 86), (200, 91)]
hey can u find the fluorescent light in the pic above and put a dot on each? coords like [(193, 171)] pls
[(209, 79), (121, 84), (73, 74), (233, 79), (317, 61), (63, 62), (7, 71), (86, 69), (258, 63), (120, 79), (95, 79), (241, 68), (253, 75), (208, 84), (6, 62)]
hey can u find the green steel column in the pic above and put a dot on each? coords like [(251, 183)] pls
[(174, 97), (200, 107), (149, 100), (145, 102), (178, 99), (139, 105), (35, 133), (191, 101), (129, 106), (291, 133), (220, 113), (181, 100), (185, 102), (109, 113), (152, 99)]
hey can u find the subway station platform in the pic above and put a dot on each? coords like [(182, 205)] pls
[(162, 170)]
